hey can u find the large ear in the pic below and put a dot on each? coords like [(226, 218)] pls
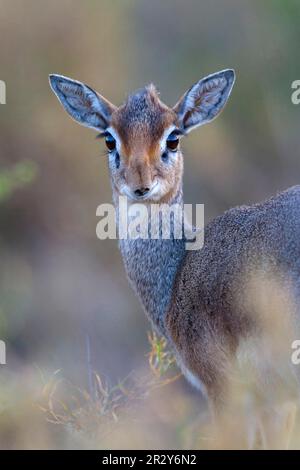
[(82, 103), (204, 100)]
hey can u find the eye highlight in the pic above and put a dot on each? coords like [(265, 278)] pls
[(172, 142), (110, 142)]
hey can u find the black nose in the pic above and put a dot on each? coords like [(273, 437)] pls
[(141, 191)]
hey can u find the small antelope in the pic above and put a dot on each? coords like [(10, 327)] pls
[(216, 306)]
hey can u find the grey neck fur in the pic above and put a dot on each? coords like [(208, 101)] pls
[(151, 266)]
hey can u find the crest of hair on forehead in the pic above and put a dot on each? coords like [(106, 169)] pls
[(142, 117)]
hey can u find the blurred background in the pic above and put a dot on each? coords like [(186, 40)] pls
[(65, 305)]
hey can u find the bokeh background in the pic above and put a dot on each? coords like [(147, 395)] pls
[(65, 305)]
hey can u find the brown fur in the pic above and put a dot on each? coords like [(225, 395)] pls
[(141, 121), (140, 124)]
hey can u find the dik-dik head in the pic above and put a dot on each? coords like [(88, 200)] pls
[(143, 135)]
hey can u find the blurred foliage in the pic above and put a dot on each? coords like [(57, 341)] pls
[(20, 175)]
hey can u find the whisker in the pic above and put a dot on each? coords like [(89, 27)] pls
[(101, 155)]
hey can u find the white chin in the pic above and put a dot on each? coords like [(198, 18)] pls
[(153, 195)]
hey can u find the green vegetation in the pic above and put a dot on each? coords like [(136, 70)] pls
[(17, 177)]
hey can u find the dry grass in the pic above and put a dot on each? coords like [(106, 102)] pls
[(257, 414), (149, 408), (94, 412)]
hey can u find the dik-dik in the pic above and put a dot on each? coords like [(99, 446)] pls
[(216, 305)]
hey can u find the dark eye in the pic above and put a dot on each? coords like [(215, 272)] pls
[(172, 142), (110, 142)]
